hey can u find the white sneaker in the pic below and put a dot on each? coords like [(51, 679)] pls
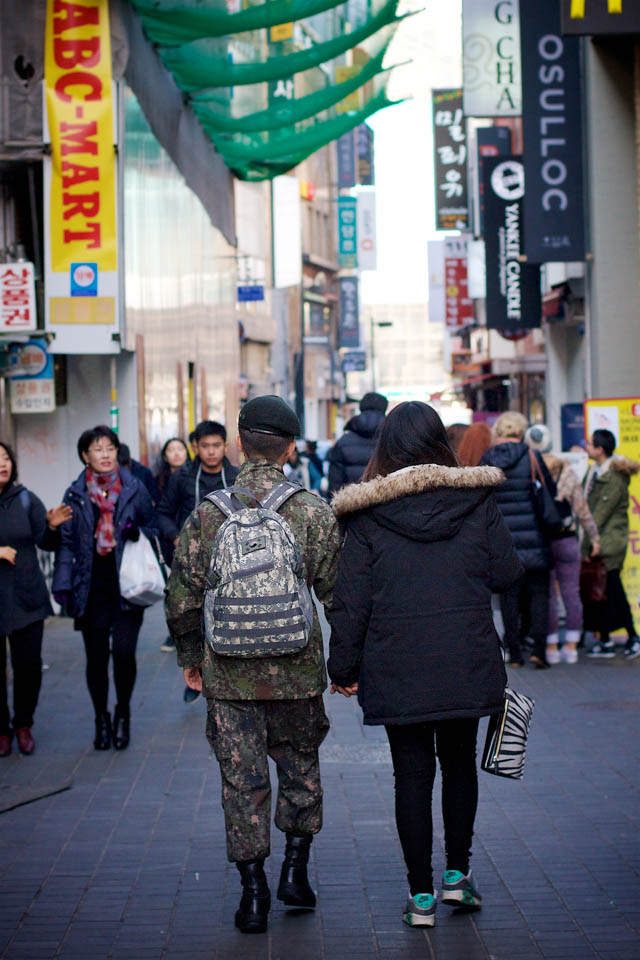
[(420, 910), (568, 655), (553, 656)]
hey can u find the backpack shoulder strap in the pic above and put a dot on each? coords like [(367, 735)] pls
[(227, 500), (278, 495)]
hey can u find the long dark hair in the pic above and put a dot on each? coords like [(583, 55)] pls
[(412, 433), (164, 470)]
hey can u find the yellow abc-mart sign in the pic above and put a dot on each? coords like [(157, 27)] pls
[(80, 116)]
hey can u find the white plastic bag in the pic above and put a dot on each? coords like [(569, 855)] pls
[(141, 580)]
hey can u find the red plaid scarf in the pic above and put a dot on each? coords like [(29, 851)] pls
[(104, 490)]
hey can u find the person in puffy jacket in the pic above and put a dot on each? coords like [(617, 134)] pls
[(24, 598), (109, 507), (412, 631), (525, 606), (349, 457)]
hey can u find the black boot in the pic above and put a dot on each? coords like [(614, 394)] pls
[(253, 912), (120, 729), (294, 889), (103, 731)]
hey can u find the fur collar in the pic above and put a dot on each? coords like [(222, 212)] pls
[(410, 481)]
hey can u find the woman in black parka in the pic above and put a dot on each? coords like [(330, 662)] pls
[(412, 631), (110, 506), (24, 598)]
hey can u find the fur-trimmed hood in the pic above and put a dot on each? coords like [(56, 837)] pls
[(624, 465), (423, 502)]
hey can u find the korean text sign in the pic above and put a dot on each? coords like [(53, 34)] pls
[(621, 415), (17, 297), (80, 115), (458, 305), (349, 335), (347, 232), (450, 160)]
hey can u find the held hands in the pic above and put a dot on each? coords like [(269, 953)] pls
[(193, 678), (345, 691), (56, 516), (8, 553)]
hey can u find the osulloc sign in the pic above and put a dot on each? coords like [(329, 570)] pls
[(552, 131), (513, 286)]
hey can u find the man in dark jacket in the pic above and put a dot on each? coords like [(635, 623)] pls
[(351, 454), (528, 599), (209, 471)]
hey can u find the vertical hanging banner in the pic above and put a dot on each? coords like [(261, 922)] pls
[(491, 142), (346, 149), (349, 333), (17, 297), (366, 168), (552, 132), (366, 231), (491, 58), (513, 287), (621, 415), (458, 304), (347, 233), (436, 281), (600, 16), (81, 254), (450, 160)]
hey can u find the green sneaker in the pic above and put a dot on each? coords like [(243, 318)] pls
[(458, 890), (420, 910)]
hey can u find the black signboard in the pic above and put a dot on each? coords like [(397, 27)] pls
[(349, 313), (366, 170), (552, 132), (450, 160), (600, 16), (346, 147), (513, 287), (491, 142)]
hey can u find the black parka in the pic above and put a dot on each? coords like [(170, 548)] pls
[(351, 454), (411, 616), (515, 499), (24, 597)]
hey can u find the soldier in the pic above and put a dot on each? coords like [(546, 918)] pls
[(267, 706)]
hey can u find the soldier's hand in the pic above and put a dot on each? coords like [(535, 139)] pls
[(193, 678), (345, 691)]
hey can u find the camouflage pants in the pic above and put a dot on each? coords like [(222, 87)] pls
[(243, 734)]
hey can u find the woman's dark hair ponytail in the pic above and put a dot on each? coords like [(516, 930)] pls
[(412, 433)]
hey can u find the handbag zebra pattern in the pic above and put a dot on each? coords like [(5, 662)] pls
[(505, 748)]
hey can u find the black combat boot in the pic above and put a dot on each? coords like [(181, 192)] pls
[(121, 730), (103, 731), (294, 889), (253, 912)]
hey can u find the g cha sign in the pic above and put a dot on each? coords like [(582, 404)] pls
[(491, 58), (600, 16)]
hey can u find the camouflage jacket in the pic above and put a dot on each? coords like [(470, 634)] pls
[(289, 677)]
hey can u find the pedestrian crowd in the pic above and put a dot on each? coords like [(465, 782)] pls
[(428, 532)]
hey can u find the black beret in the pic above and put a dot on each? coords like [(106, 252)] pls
[(270, 414)]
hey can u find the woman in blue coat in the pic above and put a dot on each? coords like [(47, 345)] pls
[(109, 507)]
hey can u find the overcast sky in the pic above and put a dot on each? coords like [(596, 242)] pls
[(403, 152)]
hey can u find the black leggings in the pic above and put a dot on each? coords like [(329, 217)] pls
[(414, 765), (26, 661), (124, 627)]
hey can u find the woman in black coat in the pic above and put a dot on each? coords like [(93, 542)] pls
[(412, 631), (525, 606), (24, 598), (109, 507)]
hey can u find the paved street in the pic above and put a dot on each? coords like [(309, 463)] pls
[(129, 862)]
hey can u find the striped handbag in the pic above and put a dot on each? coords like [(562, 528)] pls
[(505, 748)]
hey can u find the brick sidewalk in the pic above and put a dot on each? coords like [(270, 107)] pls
[(130, 861)]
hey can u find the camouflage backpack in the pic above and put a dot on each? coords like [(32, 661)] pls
[(257, 603)]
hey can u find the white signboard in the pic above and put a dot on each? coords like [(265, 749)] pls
[(17, 298), (366, 231), (437, 300), (492, 81), (287, 232)]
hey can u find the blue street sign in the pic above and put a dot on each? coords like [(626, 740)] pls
[(249, 292)]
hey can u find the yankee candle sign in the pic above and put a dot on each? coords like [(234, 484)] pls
[(80, 116)]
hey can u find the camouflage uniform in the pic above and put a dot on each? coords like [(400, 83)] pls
[(266, 706)]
